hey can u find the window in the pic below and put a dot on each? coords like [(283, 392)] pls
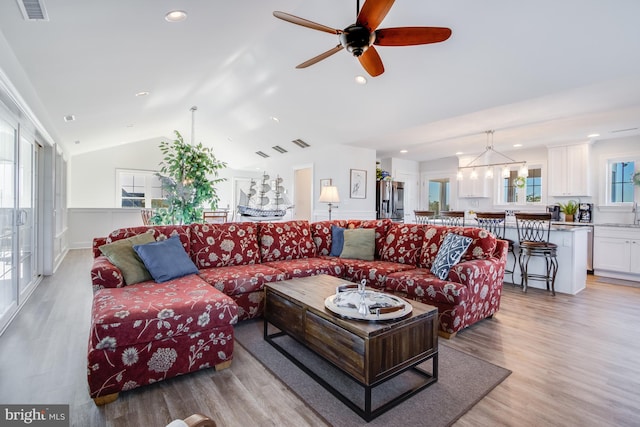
[(621, 181), (139, 189), (520, 190), (439, 195)]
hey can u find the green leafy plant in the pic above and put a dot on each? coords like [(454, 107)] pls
[(185, 177), (569, 208)]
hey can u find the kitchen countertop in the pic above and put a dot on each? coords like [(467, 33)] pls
[(616, 224)]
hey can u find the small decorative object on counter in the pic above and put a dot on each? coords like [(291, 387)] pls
[(569, 209)]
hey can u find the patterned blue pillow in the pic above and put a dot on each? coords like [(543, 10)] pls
[(337, 240), (450, 252)]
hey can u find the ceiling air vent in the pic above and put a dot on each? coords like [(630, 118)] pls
[(262, 154), (33, 10), (279, 149), (300, 143)]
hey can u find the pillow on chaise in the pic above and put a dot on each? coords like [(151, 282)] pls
[(337, 240), (122, 255), (449, 254), (166, 260), (359, 243)]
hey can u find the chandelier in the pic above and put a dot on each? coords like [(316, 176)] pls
[(483, 161)]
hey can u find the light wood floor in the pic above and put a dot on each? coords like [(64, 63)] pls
[(575, 362)]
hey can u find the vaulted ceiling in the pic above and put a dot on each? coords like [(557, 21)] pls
[(538, 73)]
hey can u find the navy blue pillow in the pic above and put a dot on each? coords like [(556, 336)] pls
[(449, 254), (337, 240), (166, 259)]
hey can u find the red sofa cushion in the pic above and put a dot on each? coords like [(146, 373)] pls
[(374, 272), (321, 234), (240, 279), (305, 267), (403, 243), (423, 285), (150, 311), (222, 245), (285, 240)]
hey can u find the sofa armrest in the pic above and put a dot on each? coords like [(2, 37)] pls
[(481, 272), (105, 275)]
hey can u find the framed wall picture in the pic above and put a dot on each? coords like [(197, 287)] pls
[(325, 182), (358, 184)]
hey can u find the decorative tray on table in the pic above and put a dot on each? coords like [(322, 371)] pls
[(358, 303)]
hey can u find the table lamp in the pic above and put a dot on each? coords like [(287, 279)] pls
[(329, 194)]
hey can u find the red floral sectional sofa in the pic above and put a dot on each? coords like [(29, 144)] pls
[(146, 332)]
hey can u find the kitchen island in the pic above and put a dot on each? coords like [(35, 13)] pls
[(572, 258)]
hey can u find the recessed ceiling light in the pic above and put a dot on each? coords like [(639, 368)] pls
[(143, 93), (517, 145), (459, 152), (403, 151), (69, 118), (275, 119), (361, 80), (175, 16), (593, 135)]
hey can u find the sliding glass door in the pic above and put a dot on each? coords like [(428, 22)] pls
[(18, 166), (8, 237)]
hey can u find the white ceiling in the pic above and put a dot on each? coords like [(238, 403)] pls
[(539, 72)]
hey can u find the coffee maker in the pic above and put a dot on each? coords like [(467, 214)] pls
[(585, 212), (554, 210)]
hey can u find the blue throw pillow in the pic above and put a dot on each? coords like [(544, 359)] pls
[(337, 240), (166, 259), (449, 254)]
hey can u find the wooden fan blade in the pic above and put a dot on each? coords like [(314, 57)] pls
[(320, 57), (305, 22), (373, 12), (371, 62), (408, 36)]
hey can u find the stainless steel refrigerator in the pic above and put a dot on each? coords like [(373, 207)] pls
[(390, 200)]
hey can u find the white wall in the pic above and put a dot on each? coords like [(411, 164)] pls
[(92, 182)]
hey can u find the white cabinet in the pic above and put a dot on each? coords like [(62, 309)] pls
[(568, 170), (616, 250), (474, 187)]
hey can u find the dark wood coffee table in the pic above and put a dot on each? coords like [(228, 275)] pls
[(370, 352)]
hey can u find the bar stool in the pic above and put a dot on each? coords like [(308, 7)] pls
[(424, 217), (534, 230), (494, 222), (452, 218)]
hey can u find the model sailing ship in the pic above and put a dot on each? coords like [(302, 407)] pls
[(264, 201)]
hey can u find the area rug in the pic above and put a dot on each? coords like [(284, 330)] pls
[(463, 380)]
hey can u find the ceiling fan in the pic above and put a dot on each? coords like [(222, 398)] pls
[(360, 38)]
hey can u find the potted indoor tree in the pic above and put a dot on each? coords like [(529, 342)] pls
[(185, 177), (569, 209)]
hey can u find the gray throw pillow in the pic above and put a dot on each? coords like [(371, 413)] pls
[(122, 255), (359, 243)]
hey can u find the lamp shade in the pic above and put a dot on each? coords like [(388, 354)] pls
[(329, 194)]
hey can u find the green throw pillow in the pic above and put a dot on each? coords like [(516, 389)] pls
[(359, 243), (122, 255)]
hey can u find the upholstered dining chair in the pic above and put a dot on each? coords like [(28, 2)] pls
[(452, 218), (146, 216), (534, 230), (215, 216), (424, 217), (495, 223)]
